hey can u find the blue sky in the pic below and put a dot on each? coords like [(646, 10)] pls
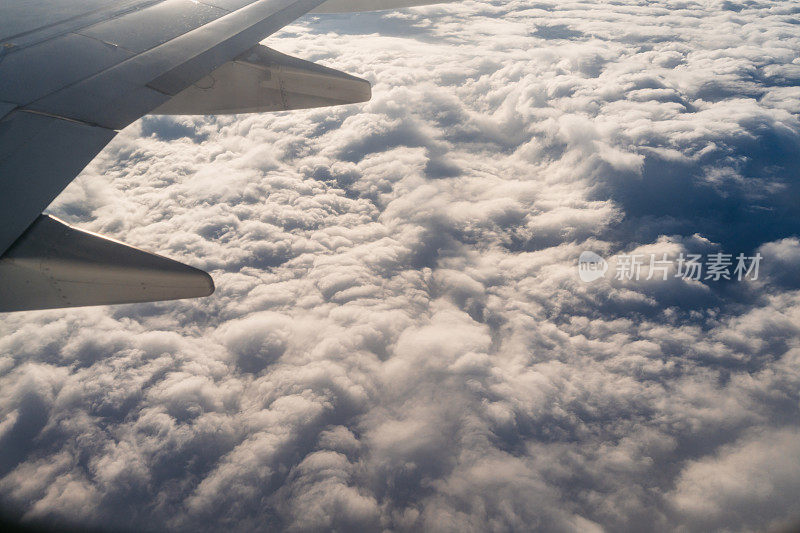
[(399, 338)]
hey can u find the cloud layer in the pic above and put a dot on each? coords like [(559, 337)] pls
[(399, 339)]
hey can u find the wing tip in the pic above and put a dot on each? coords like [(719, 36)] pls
[(206, 285)]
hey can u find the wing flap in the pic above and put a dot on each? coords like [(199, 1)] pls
[(262, 80), (55, 265)]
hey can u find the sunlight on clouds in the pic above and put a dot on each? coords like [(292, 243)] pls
[(399, 339)]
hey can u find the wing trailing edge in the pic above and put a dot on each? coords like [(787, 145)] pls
[(262, 80), (54, 265)]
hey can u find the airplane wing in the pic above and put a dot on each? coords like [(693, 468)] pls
[(75, 72)]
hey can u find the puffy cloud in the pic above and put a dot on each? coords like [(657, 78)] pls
[(747, 483), (400, 339)]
